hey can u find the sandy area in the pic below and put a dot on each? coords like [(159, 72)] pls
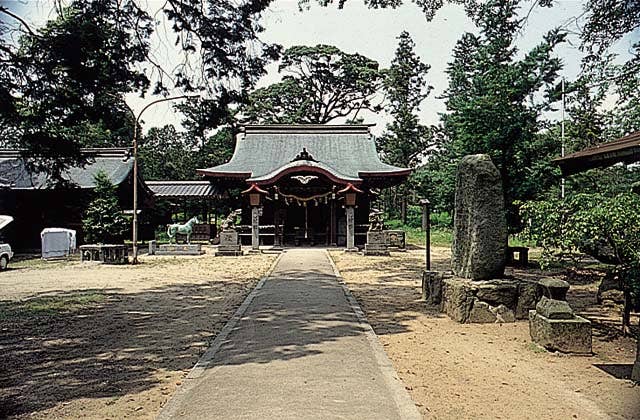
[(490, 370), (80, 340)]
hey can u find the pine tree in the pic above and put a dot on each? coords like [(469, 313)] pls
[(103, 221), (406, 140), (495, 101)]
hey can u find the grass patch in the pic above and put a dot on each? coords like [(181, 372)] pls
[(535, 348), (49, 305)]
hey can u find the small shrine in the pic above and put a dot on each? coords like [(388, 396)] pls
[(305, 184)]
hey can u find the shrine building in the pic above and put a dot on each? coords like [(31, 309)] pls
[(305, 184)]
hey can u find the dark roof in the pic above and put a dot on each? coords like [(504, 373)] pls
[(265, 152), (115, 162), (183, 188), (625, 150)]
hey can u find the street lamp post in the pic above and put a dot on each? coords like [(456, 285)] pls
[(426, 226), (135, 168)]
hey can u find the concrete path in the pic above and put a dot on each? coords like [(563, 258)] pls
[(298, 348)]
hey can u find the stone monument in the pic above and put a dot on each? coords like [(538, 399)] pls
[(229, 239), (478, 291), (480, 225), (376, 240), (553, 325)]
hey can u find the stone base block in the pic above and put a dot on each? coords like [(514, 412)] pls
[(376, 243), (376, 250), (229, 251), (468, 301), (635, 372), (354, 249), (564, 335), (432, 287), (183, 249)]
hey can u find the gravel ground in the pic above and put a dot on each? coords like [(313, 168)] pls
[(80, 340), (490, 370)]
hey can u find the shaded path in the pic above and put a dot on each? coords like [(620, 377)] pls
[(297, 349)]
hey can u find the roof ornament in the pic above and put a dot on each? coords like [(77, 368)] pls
[(304, 155), (304, 179)]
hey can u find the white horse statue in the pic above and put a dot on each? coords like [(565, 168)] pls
[(186, 229)]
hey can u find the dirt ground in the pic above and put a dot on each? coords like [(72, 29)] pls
[(490, 370), (80, 340)]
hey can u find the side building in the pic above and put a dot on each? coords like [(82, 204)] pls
[(306, 184), (34, 204)]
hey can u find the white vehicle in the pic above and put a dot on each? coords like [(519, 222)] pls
[(5, 249)]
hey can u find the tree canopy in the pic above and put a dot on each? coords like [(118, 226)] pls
[(63, 85), (495, 100), (320, 84)]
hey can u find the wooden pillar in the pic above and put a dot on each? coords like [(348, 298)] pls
[(277, 238), (350, 229), (333, 240), (255, 228)]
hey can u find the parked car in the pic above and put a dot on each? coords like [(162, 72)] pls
[(5, 249)]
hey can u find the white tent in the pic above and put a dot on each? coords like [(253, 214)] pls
[(57, 242)]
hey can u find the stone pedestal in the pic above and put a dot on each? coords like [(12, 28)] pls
[(395, 240), (376, 244), (229, 244), (183, 249), (468, 301), (566, 335), (553, 325)]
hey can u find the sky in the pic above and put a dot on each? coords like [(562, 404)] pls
[(372, 33)]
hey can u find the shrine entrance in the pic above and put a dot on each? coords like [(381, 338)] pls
[(305, 184), (306, 208)]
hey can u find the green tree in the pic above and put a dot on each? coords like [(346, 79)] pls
[(606, 227), (320, 84), (167, 154), (405, 141), (495, 100), (62, 86), (69, 91), (103, 221)]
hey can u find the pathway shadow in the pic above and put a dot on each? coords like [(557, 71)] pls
[(58, 347)]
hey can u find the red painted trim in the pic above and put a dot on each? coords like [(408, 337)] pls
[(350, 188), (254, 188), (306, 168)]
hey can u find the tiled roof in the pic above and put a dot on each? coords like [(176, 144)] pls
[(182, 188), (115, 162), (625, 149), (264, 151)]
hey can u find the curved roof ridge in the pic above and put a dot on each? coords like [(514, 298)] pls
[(304, 165)]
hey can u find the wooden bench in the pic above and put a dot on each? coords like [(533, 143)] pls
[(523, 256)]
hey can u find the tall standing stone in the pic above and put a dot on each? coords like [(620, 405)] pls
[(480, 225)]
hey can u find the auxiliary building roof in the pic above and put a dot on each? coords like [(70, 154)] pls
[(625, 149), (115, 162), (183, 189), (264, 153)]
